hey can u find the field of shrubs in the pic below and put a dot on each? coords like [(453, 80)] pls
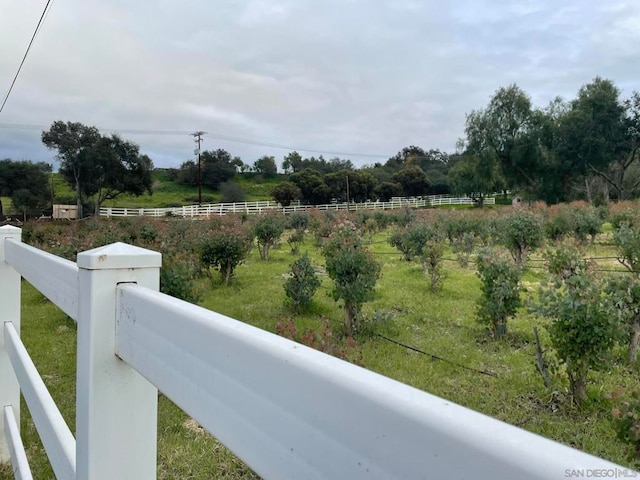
[(530, 315)]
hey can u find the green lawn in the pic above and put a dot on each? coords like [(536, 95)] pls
[(439, 324)]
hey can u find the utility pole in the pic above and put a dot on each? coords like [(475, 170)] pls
[(347, 192), (52, 191), (197, 137)]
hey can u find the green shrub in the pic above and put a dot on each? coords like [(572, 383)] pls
[(627, 239), (286, 192), (302, 284), (298, 221), (353, 270), (177, 279), (583, 329), (463, 247), (626, 417), (580, 222), (625, 293), (627, 216), (148, 232), (268, 228), (401, 239), (224, 249), (433, 255), (295, 240), (587, 223), (231, 192), (382, 219), (500, 287), (558, 227), (565, 261), (370, 228), (424, 241), (521, 233), (405, 217)]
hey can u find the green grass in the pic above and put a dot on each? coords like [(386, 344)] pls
[(441, 324), (257, 187), (167, 193), (7, 206)]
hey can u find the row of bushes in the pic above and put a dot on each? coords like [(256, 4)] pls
[(196, 249)]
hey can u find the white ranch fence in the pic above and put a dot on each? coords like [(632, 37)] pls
[(219, 209), (288, 411)]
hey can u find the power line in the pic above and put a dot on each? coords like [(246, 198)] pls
[(33, 37), (220, 136)]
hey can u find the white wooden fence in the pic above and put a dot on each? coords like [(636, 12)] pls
[(219, 209), (288, 411)]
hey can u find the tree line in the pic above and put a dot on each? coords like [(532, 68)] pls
[(586, 148), (314, 180)]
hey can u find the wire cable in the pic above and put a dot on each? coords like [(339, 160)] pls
[(33, 37), (219, 136), (436, 357), (431, 355)]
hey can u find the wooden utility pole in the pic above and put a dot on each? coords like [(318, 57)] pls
[(198, 139), (347, 192)]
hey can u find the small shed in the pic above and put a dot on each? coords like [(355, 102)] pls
[(65, 212)]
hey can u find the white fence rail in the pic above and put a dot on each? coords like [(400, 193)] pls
[(288, 411), (219, 209)]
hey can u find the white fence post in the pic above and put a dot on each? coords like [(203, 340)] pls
[(9, 312), (116, 408)]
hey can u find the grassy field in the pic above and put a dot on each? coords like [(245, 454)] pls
[(166, 193), (497, 378)]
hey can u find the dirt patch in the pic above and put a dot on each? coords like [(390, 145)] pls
[(194, 427)]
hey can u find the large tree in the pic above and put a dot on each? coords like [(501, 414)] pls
[(472, 177), (292, 162), (312, 186), (266, 166), (385, 191), (218, 166), (26, 183), (411, 155), (97, 166), (590, 133), (73, 140), (117, 167), (346, 185), (412, 179), (286, 192), (502, 132), (622, 172)]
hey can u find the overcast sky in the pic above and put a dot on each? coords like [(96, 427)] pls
[(343, 77)]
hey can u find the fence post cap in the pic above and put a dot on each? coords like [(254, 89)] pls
[(9, 229), (119, 255)]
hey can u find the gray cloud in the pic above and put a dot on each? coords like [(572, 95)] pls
[(344, 76)]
